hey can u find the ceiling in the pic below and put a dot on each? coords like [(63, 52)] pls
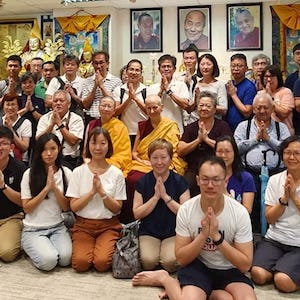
[(15, 8)]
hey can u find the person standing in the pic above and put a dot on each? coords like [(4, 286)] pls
[(240, 90), (174, 93), (95, 87)]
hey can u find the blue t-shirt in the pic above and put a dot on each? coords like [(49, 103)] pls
[(246, 92), (239, 186), (161, 222)]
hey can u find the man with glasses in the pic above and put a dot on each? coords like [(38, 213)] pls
[(213, 244), (174, 93), (256, 136), (259, 62), (95, 87), (198, 139), (11, 172), (241, 91)]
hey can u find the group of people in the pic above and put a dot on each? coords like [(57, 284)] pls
[(185, 153)]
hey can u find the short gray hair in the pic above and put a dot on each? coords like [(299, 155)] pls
[(261, 56), (212, 96), (68, 96)]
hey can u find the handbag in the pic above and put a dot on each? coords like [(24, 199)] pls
[(125, 260)]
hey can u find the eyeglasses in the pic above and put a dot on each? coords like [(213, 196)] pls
[(214, 181), (296, 154), (237, 66), (202, 105)]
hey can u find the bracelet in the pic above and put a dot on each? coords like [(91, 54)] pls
[(33, 110), (220, 241), (170, 199), (282, 203)]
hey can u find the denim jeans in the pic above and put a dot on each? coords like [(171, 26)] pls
[(47, 247)]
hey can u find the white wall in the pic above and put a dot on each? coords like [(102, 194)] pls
[(120, 37)]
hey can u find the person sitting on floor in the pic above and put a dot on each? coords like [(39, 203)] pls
[(11, 215), (45, 238), (97, 191), (213, 244), (277, 256), (157, 198)]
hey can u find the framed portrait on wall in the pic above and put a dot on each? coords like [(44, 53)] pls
[(194, 27), (47, 27), (244, 26), (146, 30)]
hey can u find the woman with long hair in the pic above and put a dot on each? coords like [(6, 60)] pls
[(97, 190), (240, 184), (45, 238)]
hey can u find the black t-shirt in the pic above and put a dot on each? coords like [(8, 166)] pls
[(12, 176)]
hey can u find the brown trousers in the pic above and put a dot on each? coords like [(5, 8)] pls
[(94, 243)]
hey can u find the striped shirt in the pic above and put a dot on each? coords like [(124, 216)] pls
[(110, 83)]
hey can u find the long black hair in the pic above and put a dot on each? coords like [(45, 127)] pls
[(237, 165), (38, 173)]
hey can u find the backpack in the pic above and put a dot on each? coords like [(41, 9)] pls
[(75, 107), (125, 260), (122, 93), (17, 151)]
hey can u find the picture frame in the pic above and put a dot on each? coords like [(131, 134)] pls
[(193, 17), (47, 28), (244, 26), (146, 30)]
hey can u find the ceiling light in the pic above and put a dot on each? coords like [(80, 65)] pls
[(66, 2)]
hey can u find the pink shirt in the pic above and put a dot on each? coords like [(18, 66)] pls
[(285, 98)]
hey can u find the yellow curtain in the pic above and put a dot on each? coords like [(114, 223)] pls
[(289, 15), (74, 24)]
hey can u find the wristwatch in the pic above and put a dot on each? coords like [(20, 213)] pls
[(4, 187), (169, 92), (60, 127)]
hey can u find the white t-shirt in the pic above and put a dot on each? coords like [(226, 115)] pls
[(132, 114), (54, 85), (48, 212), (234, 221), (286, 229), (75, 125), (82, 182), (171, 110)]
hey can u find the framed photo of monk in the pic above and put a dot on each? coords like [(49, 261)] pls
[(244, 26), (194, 27), (146, 30)]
